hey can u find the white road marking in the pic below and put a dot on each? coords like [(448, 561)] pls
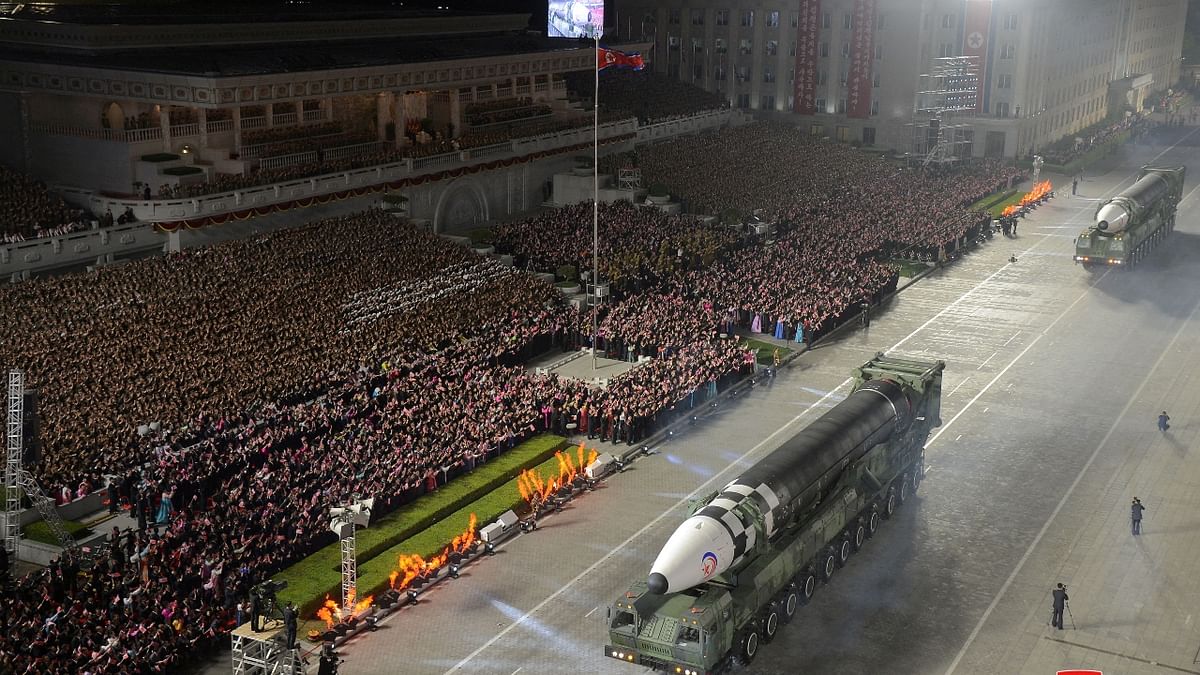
[(956, 387), (1067, 495), (590, 613), (959, 438), (517, 670), (1014, 337), (985, 362)]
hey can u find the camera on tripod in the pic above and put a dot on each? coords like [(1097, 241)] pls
[(267, 589), (265, 593)]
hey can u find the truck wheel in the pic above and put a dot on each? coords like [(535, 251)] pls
[(769, 620), (845, 548), (789, 602), (858, 536), (873, 521), (828, 565), (748, 645), (807, 585), (903, 492), (889, 504), (918, 476)]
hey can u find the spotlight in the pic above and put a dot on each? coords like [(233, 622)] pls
[(453, 571), (371, 624), (489, 548), (412, 596)]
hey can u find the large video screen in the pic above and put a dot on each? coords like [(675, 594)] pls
[(575, 18)]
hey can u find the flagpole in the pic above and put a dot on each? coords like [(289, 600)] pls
[(596, 204)]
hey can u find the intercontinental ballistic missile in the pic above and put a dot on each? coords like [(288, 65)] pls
[(758, 505)]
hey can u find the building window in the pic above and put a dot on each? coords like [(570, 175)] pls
[(719, 73), (826, 20), (947, 50), (843, 133), (1001, 109), (875, 107), (822, 76), (673, 16), (794, 19), (768, 75), (772, 22), (878, 52), (841, 108), (792, 48), (879, 23), (719, 46), (948, 21), (824, 50), (745, 46), (1004, 81), (697, 17), (742, 73), (1008, 51), (743, 101), (845, 49), (817, 129), (722, 17), (767, 102), (847, 20), (875, 80), (868, 135), (1010, 21), (673, 43), (748, 19), (698, 71), (772, 48)]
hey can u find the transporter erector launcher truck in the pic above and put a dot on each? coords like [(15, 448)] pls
[(1127, 227), (748, 556)]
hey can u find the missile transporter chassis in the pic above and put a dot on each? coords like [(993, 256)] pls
[(705, 629)]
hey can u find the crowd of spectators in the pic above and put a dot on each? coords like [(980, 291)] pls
[(1073, 146), (286, 372), (29, 211), (291, 133), (504, 110)]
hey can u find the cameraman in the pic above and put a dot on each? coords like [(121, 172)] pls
[(256, 608), (1060, 601)]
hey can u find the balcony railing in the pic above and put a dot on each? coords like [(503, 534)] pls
[(220, 125), (284, 119), (258, 122), (314, 115)]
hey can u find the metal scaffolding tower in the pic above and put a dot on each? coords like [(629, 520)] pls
[(12, 468), (263, 654), (349, 572), (18, 480), (950, 88), (630, 178), (346, 521)]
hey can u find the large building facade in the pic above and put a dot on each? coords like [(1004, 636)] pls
[(855, 70)]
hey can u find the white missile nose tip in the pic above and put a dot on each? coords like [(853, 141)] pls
[(657, 583)]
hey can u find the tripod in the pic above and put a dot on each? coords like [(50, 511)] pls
[(1067, 609)]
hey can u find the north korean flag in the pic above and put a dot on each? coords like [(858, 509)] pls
[(612, 57)]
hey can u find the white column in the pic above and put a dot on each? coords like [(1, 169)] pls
[(237, 129), (164, 123), (328, 108), (456, 112), (398, 119), (269, 111), (382, 99), (202, 117)]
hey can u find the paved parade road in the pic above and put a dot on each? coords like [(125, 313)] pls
[(1053, 382)]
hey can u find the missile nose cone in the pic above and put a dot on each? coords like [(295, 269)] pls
[(657, 583)]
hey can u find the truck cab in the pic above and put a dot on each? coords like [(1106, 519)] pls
[(676, 633)]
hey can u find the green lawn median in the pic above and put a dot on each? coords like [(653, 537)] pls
[(429, 516), (765, 351), (41, 532)]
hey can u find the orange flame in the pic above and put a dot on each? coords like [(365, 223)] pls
[(330, 613), (411, 566), (1039, 190)]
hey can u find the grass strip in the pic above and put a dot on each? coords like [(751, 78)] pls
[(320, 573), (39, 531), (997, 208), (765, 351)]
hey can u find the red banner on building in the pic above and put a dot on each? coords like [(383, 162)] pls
[(804, 88), (862, 56), (976, 28)]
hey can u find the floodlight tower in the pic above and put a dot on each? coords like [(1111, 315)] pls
[(346, 520), (17, 480)]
